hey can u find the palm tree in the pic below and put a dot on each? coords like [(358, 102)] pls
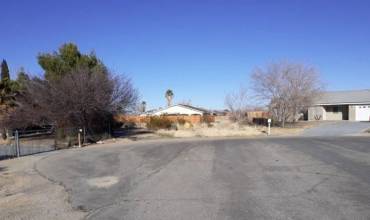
[(169, 96), (143, 106)]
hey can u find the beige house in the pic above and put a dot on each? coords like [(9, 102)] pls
[(342, 105)]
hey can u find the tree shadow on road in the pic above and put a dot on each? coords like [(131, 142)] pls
[(131, 133), (2, 169)]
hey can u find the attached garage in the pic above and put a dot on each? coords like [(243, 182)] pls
[(362, 112), (341, 105)]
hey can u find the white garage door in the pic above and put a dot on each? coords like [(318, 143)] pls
[(363, 113)]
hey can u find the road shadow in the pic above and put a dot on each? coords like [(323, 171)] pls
[(5, 157), (130, 133), (2, 169)]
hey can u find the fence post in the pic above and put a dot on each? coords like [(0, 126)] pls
[(84, 135), (79, 137), (17, 143), (109, 130)]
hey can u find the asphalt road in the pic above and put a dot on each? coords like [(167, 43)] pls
[(337, 128), (276, 178)]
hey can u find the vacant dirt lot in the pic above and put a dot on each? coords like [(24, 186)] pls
[(225, 128)]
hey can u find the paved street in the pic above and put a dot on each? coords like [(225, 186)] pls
[(280, 178), (337, 128)]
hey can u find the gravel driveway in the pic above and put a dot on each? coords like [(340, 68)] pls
[(273, 178), (338, 128)]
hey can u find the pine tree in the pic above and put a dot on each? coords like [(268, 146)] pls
[(4, 71), (6, 94)]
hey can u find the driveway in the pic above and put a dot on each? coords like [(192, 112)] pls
[(337, 128), (274, 178)]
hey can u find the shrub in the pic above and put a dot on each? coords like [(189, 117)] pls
[(156, 122), (181, 121), (207, 119)]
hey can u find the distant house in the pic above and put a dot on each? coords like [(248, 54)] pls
[(181, 109), (342, 105), (149, 112)]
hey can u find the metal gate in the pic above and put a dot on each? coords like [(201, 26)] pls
[(29, 142)]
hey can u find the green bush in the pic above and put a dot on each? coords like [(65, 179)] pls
[(156, 123)]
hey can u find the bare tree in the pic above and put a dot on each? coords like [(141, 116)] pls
[(237, 103), (83, 98), (288, 88)]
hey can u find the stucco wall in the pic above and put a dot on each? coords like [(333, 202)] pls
[(194, 119), (316, 113), (352, 113), (343, 112), (334, 116), (337, 112)]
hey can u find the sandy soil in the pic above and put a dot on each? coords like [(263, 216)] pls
[(228, 129), (24, 194), (203, 130), (291, 129)]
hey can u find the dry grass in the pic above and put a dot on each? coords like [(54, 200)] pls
[(225, 128), (291, 129), (217, 129)]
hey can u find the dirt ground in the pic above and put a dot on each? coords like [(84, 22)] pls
[(226, 128), (24, 194)]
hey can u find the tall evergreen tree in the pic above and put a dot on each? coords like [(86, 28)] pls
[(4, 71), (22, 78), (68, 58)]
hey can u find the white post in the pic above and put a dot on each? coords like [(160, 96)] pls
[(79, 137), (17, 143), (269, 126)]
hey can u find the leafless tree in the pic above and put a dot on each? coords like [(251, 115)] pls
[(288, 88), (237, 103), (83, 98)]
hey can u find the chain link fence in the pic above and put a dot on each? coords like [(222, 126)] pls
[(33, 141), (28, 142), (7, 150)]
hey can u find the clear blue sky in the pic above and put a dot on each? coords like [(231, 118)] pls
[(202, 49)]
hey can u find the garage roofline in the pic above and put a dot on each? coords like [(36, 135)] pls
[(347, 103)]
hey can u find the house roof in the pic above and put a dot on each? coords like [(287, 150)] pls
[(344, 97), (201, 110), (193, 108)]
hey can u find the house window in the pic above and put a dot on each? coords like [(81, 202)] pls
[(335, 109)]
